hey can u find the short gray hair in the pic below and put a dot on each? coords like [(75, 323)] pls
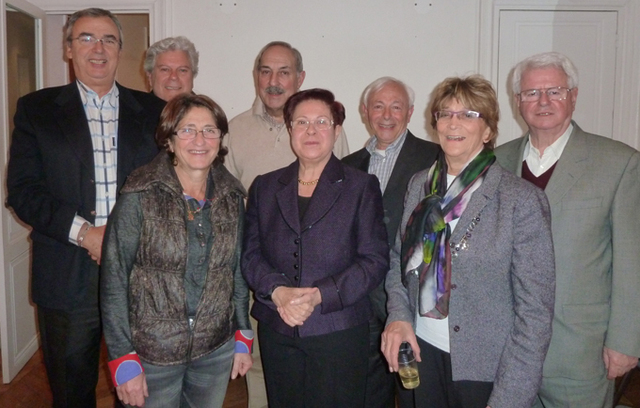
[(90, 12), (545, 60), (296, 54), (179, 43), (379, 83)]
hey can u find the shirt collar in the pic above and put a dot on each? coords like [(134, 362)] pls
[(554, 150), (87, 93), (396, 145), (258, 109)]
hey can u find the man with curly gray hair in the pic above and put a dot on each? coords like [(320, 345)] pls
[(171, 65)]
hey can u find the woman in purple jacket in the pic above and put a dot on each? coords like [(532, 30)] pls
[(314, 247)]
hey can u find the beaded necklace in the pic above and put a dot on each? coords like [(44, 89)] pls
[(308, 183)]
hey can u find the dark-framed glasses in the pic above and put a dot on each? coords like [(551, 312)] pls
[(191, 133), (319, 124), (89, 40), (557, 93), (463, 115)]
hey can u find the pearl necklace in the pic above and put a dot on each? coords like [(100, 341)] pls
[(308, 183)]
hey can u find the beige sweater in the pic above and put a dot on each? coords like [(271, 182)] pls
[(255, 147)]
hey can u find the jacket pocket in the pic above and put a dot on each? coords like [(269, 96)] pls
[(587, 313), (582, 204)]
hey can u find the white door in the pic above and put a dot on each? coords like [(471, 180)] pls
[(21, 27), (588, 38)]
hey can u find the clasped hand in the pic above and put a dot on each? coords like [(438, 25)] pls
[(295, 305)]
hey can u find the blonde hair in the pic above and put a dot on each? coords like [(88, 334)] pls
[(475, 93)]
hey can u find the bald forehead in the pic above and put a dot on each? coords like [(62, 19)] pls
[(278, 54)]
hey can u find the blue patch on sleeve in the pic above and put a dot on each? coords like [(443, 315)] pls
[(126, 371), (241, 347)]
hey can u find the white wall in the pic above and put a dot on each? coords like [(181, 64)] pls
[(345, 44)]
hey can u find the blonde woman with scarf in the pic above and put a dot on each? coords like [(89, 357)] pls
[(471, 285)]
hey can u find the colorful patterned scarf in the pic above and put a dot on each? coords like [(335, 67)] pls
[(425, 244)]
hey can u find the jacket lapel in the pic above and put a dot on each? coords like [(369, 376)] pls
[(514, 157), (479, 201), (363, 163), (72, 120), (569, 168), (287, 196), (130, 130), (326, 193), (408, 154)]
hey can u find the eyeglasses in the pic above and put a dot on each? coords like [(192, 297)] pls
[(557, 93), (89, 40), (191, 133), (463, 115), (319, 124)]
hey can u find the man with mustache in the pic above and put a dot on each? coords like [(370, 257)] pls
[(258, 140), (258, 143), (71, 150)]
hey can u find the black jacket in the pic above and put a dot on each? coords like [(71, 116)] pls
[(415, 155), (50, 179)]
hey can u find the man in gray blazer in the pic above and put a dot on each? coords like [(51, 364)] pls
[(393, 154), (593, 187)]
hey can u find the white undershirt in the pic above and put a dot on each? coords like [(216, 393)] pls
[(537, 164)]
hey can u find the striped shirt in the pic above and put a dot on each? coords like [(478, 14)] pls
[(382, 162), (102, 117)]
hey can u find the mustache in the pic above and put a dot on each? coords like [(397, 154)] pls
[(274, 90)]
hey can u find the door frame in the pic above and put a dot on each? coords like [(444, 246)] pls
[(626, 116), (160, 21), (14, 355)]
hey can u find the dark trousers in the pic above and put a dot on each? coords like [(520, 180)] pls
[(437, 388), (318, 371), (71, 350), (381, 383)]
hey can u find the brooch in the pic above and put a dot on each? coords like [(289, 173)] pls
[(463, 245)]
